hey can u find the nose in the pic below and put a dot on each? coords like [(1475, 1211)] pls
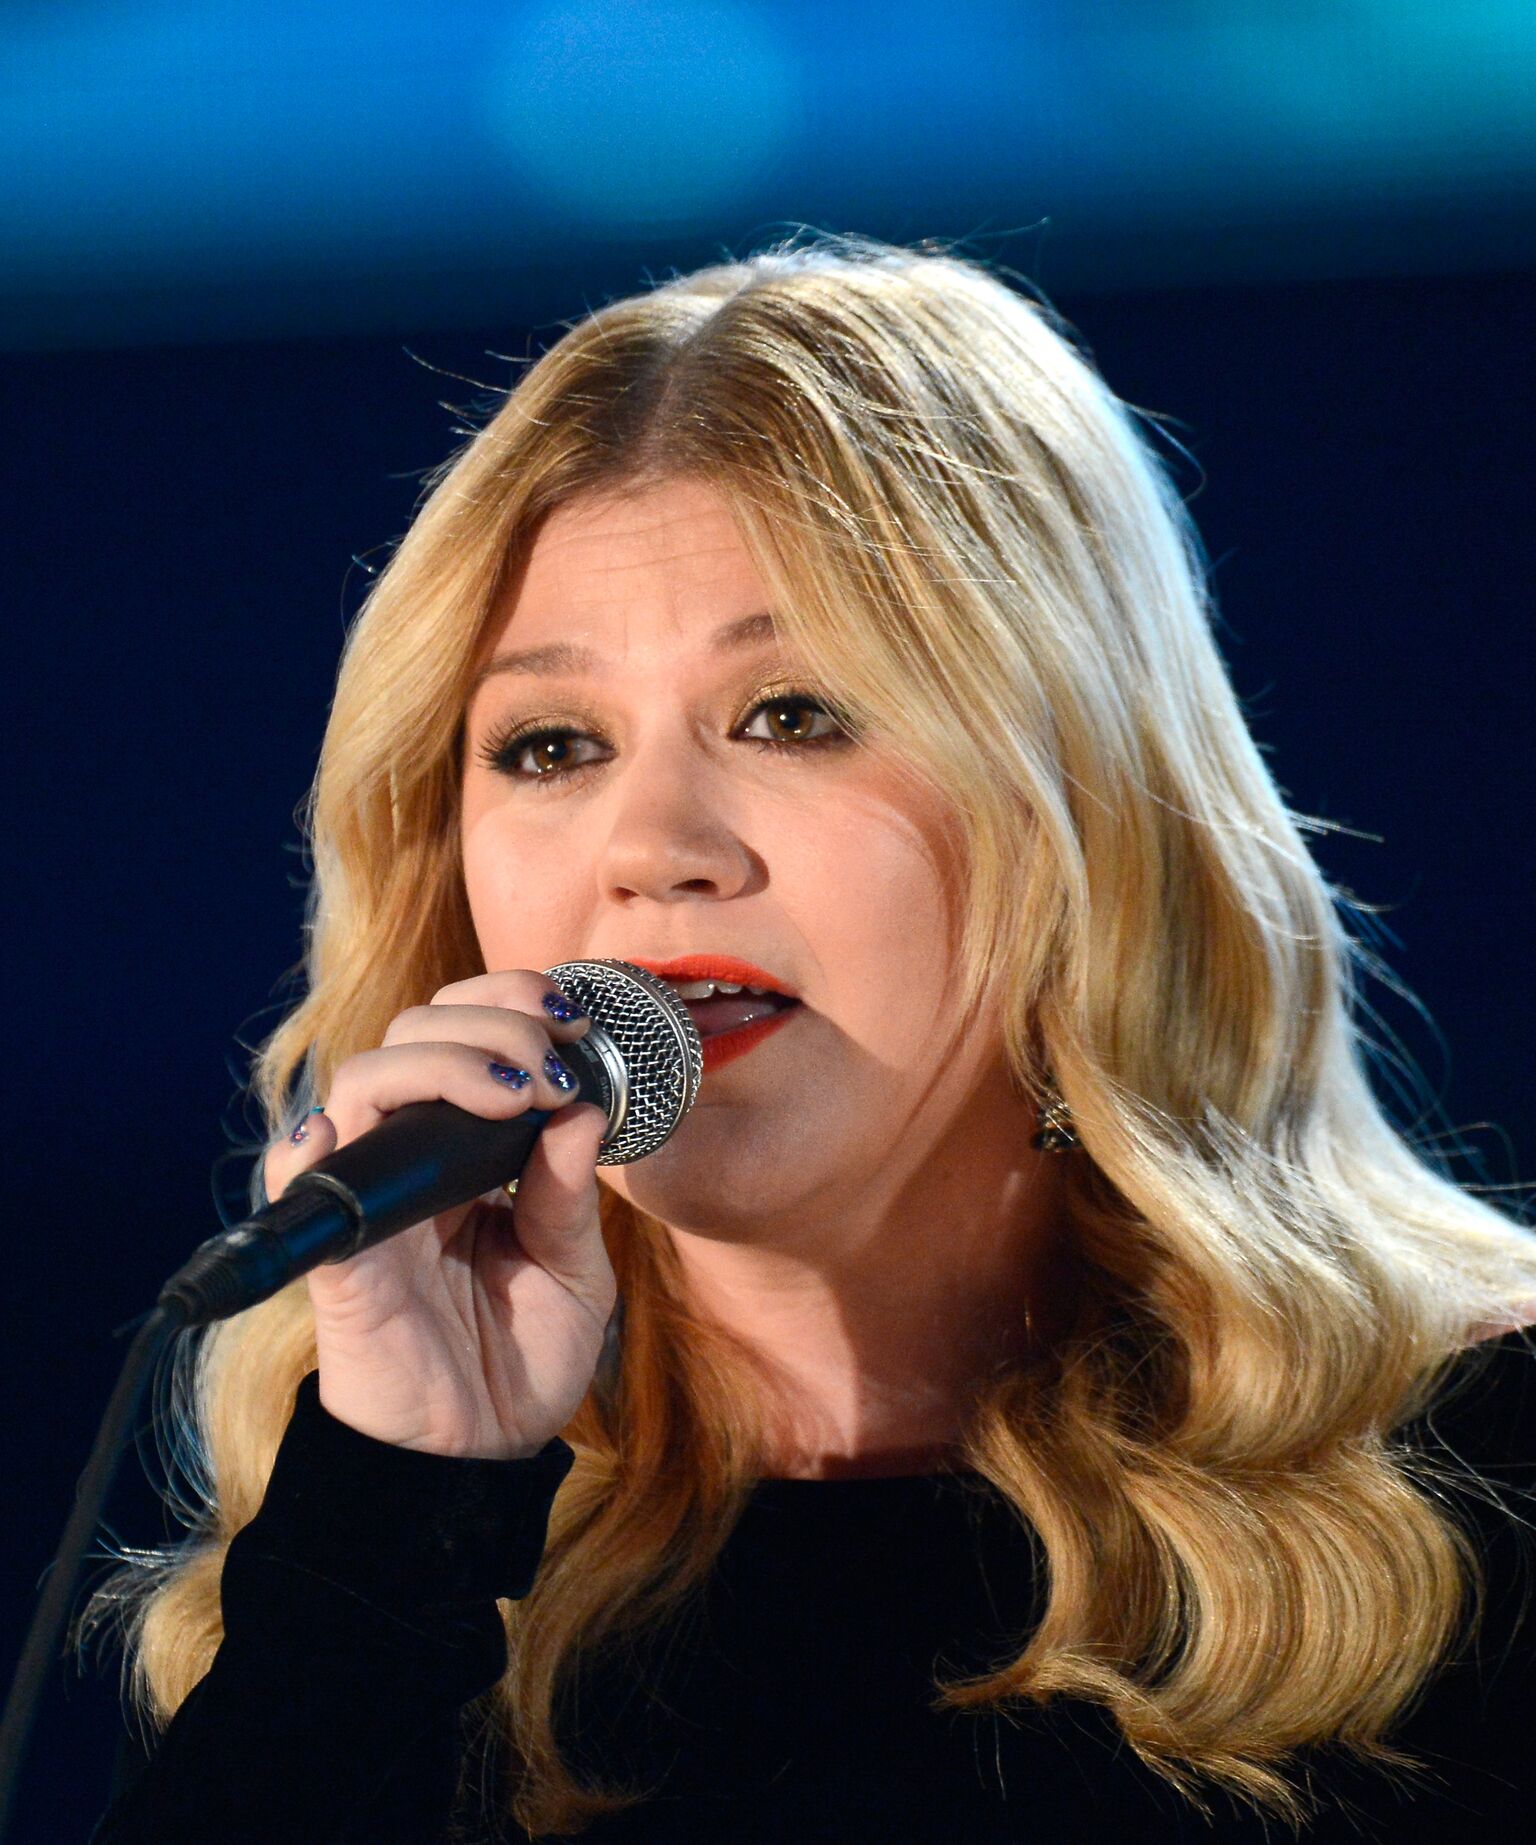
[(674, 838)]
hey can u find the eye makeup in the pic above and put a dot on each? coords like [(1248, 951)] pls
[(509, 744)]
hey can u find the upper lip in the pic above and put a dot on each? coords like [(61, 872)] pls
[(713, 967)]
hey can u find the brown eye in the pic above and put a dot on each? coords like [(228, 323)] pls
[(552, 755), (537, 755), (550, 751), (790, 720)]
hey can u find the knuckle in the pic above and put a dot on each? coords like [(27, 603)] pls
[(360, 1081), (404, 1024), (478, 989), (345, 1079), (441, 1065), (503, 986)]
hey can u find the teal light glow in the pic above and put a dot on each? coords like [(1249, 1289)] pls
[(177, 169), (629, 115)]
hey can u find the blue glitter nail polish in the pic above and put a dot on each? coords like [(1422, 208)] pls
[(510, 1074), (300, 1133), (557, 1072), (563, 1009)]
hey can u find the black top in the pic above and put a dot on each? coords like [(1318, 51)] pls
[(789, 1702)]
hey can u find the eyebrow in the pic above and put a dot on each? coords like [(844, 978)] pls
[(567, 657)]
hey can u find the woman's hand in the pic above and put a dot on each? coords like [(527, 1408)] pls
[(478, 1331)]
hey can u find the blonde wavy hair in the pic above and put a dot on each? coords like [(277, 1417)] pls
[(968, 537)]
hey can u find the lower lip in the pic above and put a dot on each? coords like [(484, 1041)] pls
[(727, 1046)]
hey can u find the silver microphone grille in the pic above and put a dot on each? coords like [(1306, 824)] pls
[(643, 1047)]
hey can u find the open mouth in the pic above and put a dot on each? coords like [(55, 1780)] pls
[(734, 1004), (731, 1024), (725, 1039), (728, 1012)]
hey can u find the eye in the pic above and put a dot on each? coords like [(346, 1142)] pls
[(551, 748), (788, 725), (537, 751)]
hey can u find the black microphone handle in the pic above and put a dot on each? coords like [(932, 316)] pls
[(423, 1158)]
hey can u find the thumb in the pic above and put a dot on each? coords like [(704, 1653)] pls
[(555, 1212)]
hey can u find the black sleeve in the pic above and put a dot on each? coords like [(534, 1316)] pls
[(1473, 1729), (359, 1619), (1468, 1732)]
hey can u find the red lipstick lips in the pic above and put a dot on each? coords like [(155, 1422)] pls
[(712, 967)]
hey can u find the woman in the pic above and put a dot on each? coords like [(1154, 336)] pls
[(1021, 1422)]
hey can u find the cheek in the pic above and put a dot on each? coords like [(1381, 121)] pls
[(514, 892), (882, 928)]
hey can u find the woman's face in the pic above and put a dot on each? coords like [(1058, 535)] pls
[(658, 824)]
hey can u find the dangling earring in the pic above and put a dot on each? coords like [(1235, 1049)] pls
[(1054, 1131)]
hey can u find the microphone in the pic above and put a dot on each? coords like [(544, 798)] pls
[(641, 1060)]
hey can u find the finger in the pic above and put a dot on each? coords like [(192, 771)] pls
[(374, 1084), (495, 1029), (556, 1212), (522, 989), (309, 1143)]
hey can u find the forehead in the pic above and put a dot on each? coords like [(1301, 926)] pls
[(668, 555)]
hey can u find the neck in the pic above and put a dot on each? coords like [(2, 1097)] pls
[(879, 1324)]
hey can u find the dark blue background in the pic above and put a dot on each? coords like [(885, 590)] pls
[(180, 530)]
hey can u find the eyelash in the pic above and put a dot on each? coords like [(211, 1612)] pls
[(501, 751)]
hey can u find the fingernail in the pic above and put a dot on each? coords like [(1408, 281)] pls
[(301, 1132), (557, 1072), (510, 1074), (563, 1009)]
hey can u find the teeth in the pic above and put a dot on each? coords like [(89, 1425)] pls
[(706, 989)]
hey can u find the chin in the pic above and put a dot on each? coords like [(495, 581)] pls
[(713, 1186), (748, 1153)]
